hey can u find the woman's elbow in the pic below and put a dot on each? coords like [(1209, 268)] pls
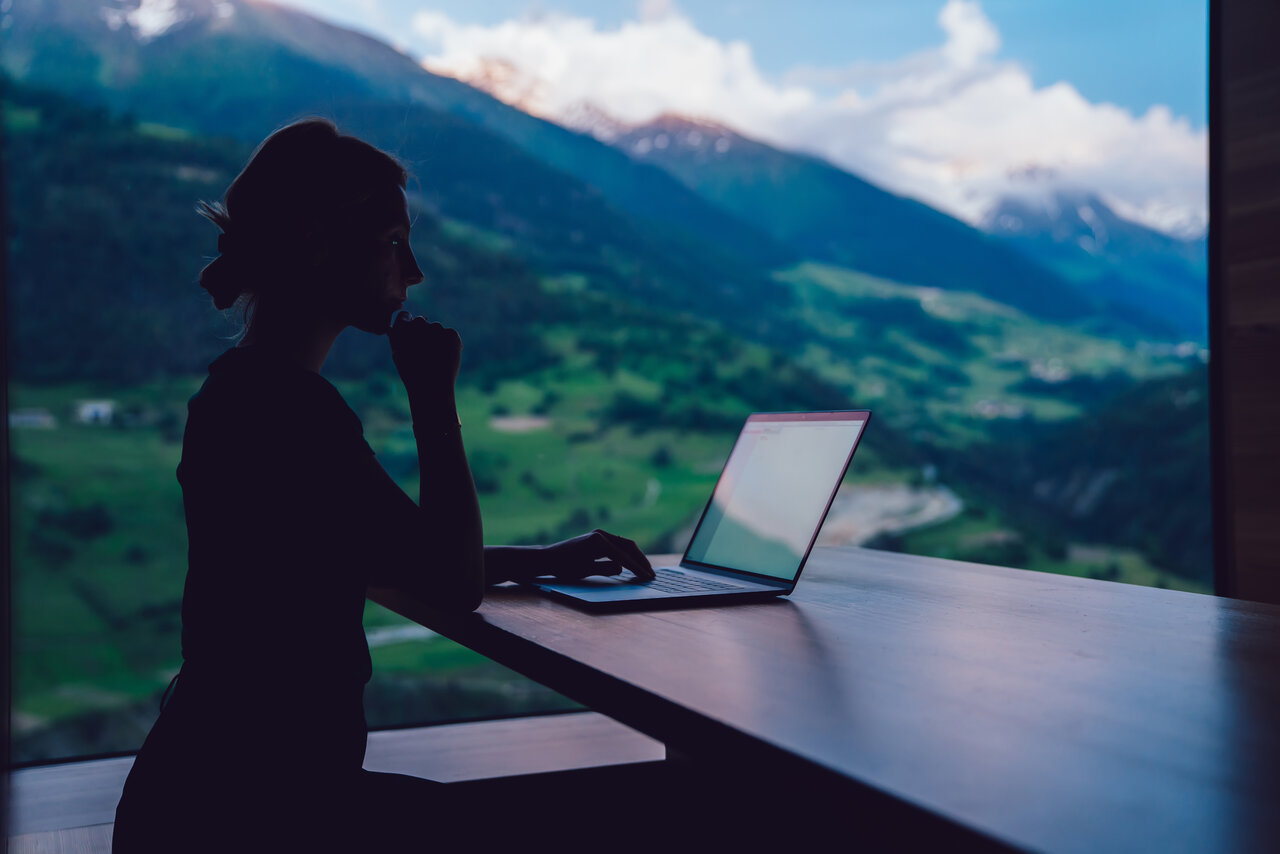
[(452, 601), (458, 595), (468, 601), (465, 596)]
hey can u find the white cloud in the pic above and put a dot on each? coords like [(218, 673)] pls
[(970, 35), (951, 125), (637, 71)]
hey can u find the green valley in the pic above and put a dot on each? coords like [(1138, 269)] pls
[(620, 321)]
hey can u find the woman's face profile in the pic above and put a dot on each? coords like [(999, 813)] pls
[(384, 271)]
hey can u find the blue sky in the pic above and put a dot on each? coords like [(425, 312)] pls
[(1135, 53), (954, 102)]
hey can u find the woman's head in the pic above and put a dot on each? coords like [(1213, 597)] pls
[(316, 217)]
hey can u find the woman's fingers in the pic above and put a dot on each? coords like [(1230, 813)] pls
[(624, 551), (600, 567), (426, 353), (638, 556), (409, 328), (596, 553)]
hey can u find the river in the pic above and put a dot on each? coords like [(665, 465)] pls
[(861, 512)]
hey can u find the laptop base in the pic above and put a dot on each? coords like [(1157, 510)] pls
[(659, 603)]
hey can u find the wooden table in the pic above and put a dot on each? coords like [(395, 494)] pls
[(913, 700)]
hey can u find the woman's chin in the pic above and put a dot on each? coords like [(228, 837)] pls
[(378, 320), (374, 326)]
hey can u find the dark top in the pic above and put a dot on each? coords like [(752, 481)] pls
[(289, 519), (276, 484), (272, 461)]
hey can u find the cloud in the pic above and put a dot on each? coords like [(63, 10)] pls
[(970, 36), (643, 68), (955, 125)]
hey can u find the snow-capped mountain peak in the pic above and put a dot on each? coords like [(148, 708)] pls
[(526, 91), (588, 117), (1066, 217), (671, 131), (507, 82)]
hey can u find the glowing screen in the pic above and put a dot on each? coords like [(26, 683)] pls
[(772, 495)]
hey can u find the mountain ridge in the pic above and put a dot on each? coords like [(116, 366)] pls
[(1124, 264), (831, 215), (302, 65), (721, 216)]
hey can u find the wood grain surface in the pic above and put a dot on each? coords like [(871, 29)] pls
[(1037, 711)]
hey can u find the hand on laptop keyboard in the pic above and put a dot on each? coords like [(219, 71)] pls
[(595, 553)]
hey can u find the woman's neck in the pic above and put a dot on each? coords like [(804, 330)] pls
[(295, 336)]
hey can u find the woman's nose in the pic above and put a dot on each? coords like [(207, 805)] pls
[(412, 272)]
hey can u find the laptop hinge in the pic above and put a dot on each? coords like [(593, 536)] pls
[(769, 580)]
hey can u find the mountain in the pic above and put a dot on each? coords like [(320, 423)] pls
[(104, 250), (693, 222), (620, 301), (826, 214), (1126, 266), (243, 67), (240, 68)]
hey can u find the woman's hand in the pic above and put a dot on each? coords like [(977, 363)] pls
[(595, 553), (427, 355)]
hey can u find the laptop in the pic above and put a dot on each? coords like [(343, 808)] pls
[(760, 524)]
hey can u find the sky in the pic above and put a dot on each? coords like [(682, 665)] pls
[(955, 102)]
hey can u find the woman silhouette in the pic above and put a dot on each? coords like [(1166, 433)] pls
[(289, 518)]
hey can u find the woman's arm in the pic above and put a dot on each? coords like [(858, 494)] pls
[(595, 553), (450, 510), (432, 549), (448, 529), (448, 526)]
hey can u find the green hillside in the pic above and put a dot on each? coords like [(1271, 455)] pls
[(610, 358), (582, 408), (245, 73), (948, 366), (1133, 471)]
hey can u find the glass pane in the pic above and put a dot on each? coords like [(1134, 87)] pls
[(983, 221)]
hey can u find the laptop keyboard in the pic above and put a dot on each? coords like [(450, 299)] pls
[(672, 582)]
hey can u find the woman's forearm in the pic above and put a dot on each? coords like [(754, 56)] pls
[(513, 563), (450, 509)]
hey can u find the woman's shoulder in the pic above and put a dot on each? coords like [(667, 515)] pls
[(248, 371), (258, 392)]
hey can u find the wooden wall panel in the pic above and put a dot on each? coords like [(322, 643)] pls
[(1245, 316)]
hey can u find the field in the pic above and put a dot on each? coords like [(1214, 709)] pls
[(983, 538), (617, 332), (99, 538), (952, 362), (100, 543), (606, 371)]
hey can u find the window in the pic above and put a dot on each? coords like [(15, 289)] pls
[(971, 218)]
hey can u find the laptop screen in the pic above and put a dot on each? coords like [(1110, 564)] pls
[(774, 491)]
